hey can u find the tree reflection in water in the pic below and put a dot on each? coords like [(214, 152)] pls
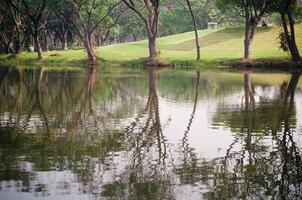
[(188, 169), (111, 135), (45, 120), (148, 175), (269, 163)]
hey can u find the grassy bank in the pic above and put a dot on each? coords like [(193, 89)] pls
[(216, 46)]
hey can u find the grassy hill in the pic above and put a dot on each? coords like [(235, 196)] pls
[(216, 45)]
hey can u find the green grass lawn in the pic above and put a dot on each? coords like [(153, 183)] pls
[(216, 45)]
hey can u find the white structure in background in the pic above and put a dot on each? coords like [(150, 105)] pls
[(213, 25), (300, 2)]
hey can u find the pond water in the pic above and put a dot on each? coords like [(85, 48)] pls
[(149, 134)]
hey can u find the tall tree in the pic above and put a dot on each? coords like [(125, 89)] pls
[(90, 14), (7, 30), (11, 28), (195, 29), (252, 11), (284, 8), (62, 18), (148, 11), (32, 12)]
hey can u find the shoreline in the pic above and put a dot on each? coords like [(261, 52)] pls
[(285, 65), (268, 64)]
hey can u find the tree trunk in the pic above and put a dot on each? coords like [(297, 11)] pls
[(92, 59), (248, 39), (252, 18), (296, 53), (290, 36), (64, 41), (247, 52), (103, 39), (134, 37), (247, 33), (7, 43), (98, 43), (153, 53), (195, 30), (46, 41), (38, 46), (18, 43)]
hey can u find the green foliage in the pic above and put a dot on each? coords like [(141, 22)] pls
[(130, 24), (95, 13)]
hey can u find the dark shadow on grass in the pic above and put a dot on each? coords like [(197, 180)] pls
[(215, 38)]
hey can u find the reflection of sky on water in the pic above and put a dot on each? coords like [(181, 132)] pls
[(209, 143), (48, 185)]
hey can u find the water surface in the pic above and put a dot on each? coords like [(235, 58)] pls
[(149, 134)]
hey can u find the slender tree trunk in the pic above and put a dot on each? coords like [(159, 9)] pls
[(247, 32), (152, 48), (252, 18), (195, 29), (46, 41), (98, 43), (103, 39), (18, 43), (297, 56), (150, 20), (250, 29), (248, 38), (7, 43), (246, 43), (38, 46), (152, 28), (290, 36), (17, 21), (64, 41)]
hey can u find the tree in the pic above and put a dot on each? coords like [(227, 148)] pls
[(7, 30), (90, 14), (252, 11), (32, 12), (11, 28), (103, 31), (131, 24), (175, 17), (62, 18), (195, 29), (284, 8), (148, 11)]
